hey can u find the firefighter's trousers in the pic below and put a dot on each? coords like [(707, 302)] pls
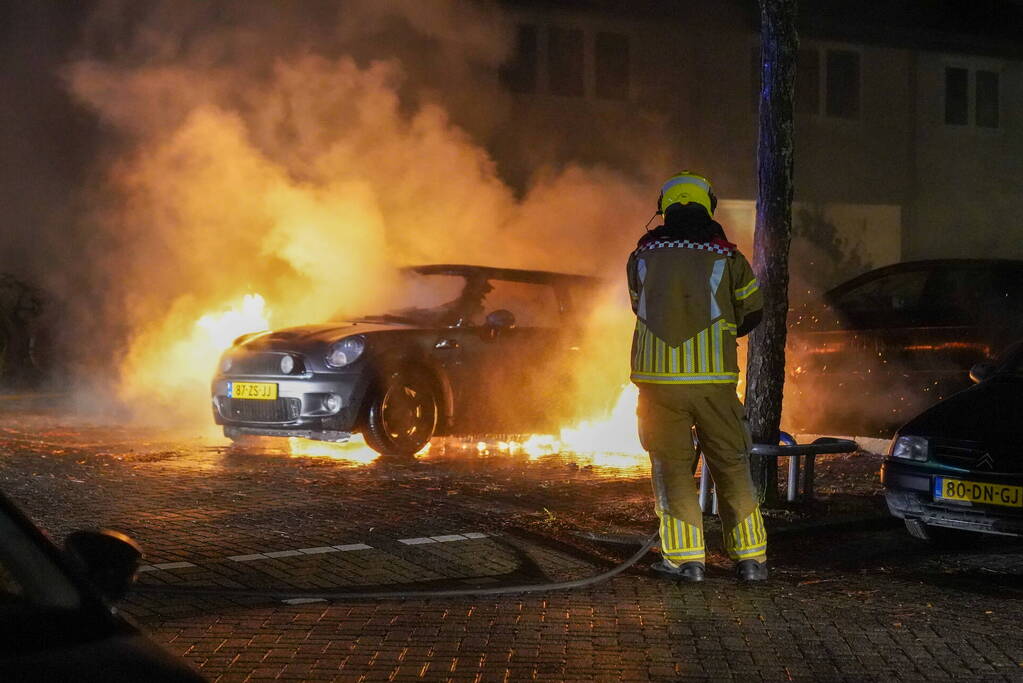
[(667, 415)]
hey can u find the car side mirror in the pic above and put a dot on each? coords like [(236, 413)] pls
[(982, 371), (501, 319), (109, 559)]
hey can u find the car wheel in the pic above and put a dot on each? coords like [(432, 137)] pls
[(402, 415)]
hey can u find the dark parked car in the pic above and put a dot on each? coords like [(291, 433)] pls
[(959, 465), (474, 350), (895, 340), (54, 622)]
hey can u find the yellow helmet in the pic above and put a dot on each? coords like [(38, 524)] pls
[(685, 188)]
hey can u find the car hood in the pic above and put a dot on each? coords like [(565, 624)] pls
[(990, 412), (323, 333)]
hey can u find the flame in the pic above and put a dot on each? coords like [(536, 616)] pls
[(611, 441), (354, 450), (223, 328), (614, 435), (171, 367)]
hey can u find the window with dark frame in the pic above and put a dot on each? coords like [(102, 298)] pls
[(808, 81), (565, 61), (519, 74), (611, 62), (957, 103), (987, 99), (842, 92)]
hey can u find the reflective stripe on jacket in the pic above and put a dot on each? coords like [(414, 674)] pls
[(689, 299)]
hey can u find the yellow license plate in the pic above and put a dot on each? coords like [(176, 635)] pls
[(261, 391), (978, 492)]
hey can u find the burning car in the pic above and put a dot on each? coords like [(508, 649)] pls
[(889, 343), (958, 465), (474, 350)]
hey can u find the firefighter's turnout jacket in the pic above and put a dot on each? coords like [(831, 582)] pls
[(689, 299)]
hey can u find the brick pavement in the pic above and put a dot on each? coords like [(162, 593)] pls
[(867, 605)]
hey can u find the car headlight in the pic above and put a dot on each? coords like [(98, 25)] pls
[(909, 448), (287, 365), (345, 352), (225, 363)]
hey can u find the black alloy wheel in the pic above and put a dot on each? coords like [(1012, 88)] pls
[(402, 416)]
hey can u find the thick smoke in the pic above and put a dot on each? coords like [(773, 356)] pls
[(302, 151)]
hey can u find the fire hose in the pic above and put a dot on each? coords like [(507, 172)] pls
[(820, 446)]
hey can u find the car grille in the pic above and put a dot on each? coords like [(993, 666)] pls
[(261, 364), (255, 410), (972, 455)]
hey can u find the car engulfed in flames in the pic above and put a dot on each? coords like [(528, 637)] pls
[(474, 350)]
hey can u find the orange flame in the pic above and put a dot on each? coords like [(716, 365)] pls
[(224, 328)]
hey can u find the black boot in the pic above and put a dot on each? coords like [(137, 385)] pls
[(751, 570), (690, 572)]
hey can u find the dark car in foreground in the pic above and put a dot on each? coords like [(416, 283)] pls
[(55, 623), (893, 341), (473, 350), (959, 464)]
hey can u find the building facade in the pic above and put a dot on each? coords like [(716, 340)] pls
[(908, 122)]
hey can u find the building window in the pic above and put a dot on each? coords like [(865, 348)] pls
[(842, 85), (808, 82), (987, 99), (611, 61), (519, 75), (565, 61), (842, 99), (957, 102), (985, 102)]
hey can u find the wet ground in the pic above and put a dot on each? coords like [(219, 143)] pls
[(852, 597)]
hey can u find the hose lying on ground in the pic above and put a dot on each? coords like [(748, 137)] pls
[(407, 594)]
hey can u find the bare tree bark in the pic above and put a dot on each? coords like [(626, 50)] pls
[(766, 366)]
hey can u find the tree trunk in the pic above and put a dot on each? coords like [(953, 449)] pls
[(766, 366)]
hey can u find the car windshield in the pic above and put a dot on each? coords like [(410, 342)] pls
[(426, 299), (27, 575)]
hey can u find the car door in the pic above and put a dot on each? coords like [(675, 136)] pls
[(843, 374), (502, 374)]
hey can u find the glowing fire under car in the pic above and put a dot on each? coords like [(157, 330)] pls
[(474, 350)]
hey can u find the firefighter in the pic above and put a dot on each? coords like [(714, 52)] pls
[(693, 294)]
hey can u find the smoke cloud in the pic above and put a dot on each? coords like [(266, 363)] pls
[(302, 152)]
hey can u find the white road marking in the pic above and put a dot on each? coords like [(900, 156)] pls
[(320, 550), (353, 546), (447, 538)]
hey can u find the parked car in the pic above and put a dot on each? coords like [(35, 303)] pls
[(889, 343), (55, 622), (959, 465), (475, 350)]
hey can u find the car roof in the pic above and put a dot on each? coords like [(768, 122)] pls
[(542, 277), (924, 264)]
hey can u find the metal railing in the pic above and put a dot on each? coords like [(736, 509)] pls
[(798, 454)]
